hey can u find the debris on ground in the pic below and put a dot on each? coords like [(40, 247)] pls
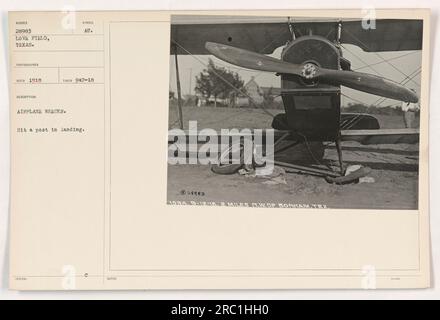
[(367, 180), (275, 181), (352, 168), (273, 177), (356, 167)]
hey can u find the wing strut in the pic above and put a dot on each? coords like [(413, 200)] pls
[(291, 28), (339, 32), (179, 93)]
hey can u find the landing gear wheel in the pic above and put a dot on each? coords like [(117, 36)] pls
[(223, 167), (349, 178)]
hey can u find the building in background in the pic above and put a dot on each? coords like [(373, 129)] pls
[(254, 94)]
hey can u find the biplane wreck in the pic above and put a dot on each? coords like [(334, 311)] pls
[(312, 70)]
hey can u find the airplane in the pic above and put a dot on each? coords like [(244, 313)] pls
[(312, 71)]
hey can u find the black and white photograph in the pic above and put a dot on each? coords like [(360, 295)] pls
[(294, 112), (299, 163)]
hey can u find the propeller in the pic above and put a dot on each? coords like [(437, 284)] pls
[(356, 80)]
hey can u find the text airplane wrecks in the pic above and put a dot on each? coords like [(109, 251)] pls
[(312, 71)]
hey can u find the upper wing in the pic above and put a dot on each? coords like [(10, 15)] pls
[(266, 36)]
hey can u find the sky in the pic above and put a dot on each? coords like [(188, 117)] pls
[(402, 63)]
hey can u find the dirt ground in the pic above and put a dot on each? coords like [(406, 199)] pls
[(394, 170)]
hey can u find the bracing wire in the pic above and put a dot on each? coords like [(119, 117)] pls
[(390, 59), (377, 54), (407, 78)]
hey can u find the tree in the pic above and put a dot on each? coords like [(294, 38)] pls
[(268, 96), (219, 83)]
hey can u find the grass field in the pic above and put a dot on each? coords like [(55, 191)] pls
[(228, 118)]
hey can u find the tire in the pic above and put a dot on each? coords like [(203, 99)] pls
[(226, 168), (229, 168)]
